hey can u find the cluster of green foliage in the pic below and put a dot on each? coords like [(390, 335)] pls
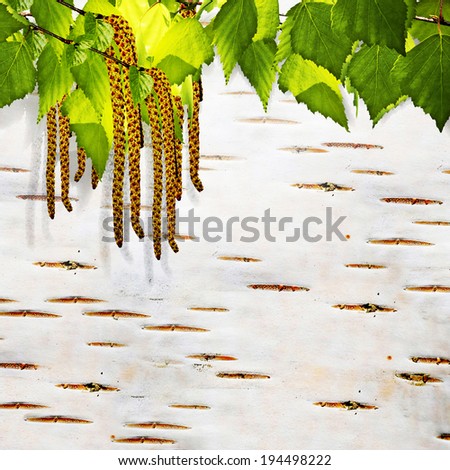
[(383, 51)]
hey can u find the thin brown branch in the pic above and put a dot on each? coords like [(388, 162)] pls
[(49, 33), (433, 19), (68, 5)]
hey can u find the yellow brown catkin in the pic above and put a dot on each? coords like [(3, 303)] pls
[(157, 145), (179, 149), (188, 12), (125, 40), (162, 89), (81, 157), (194, 125), (94, 178), (118, 103), (64, 137), (51, 160), (194, 138)]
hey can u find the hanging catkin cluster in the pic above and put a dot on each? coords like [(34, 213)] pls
[(194, 137), (58, 125), (52, 135), (64, 137), (179, 148), (166, 117), (126, 43), (157, 144), (165, 99), (119, 141), (193, 122), (56, 121), (81, 157), (168, 150)]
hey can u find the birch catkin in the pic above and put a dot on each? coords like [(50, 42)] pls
[(118, 102), (64, 138), (188, 12), (179, 149), (51, 160), (81, 158), (125, 40), (162, 89), (194, 138), (157, 145), (94, 178)]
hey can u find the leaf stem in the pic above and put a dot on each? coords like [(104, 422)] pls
[(68, 5), (433, 19)]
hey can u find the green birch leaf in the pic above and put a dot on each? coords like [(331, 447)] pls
[(234, 27), (176, 69), (75, 55), (54, 80), (187, 95), (78, 108), (102, 7), (268, 19), (370, 73), (77, 28), (141, 84), (313, 37), (209, 5), (183, 50), (154, 26), (98, 33), (9, 24), (376, 22), (210, 31), (133, 11), (55, 18), (92, 77), (17, 72), (36, 42), (314, 86), (411, 6), (322, 99), (424, 75), (92, 137), (172, 5), (257, 63), (20, 5), (410, 43), (186, 40), (285, 40)]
